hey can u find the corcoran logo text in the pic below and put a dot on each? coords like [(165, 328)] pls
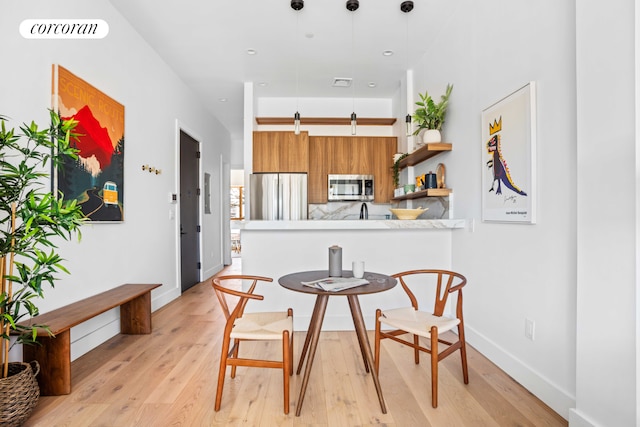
[(64, 29)]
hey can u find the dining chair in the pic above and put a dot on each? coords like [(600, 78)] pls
[(257, 326), (427, 324)]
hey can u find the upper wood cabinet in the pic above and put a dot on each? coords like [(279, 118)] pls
[(382, 165), (318, 166), (351, 155), (280, 152), (321, 156)]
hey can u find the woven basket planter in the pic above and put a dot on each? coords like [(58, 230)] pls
[(19, 393)]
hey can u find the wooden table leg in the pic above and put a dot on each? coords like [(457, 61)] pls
[(361, 331), (361, 344), (305, 347), (314, 329)]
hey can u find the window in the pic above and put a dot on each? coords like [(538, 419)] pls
[(237, 202)]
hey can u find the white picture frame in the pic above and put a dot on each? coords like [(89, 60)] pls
[(509, 158)]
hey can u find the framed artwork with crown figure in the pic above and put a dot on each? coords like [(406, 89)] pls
[(509, 158)]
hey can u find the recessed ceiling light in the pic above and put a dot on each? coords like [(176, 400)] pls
[(372, 84), (263, 84), (222, 99), (251, 52), (309, 35), (387, 53)]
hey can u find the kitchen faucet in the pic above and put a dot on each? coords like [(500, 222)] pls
[(364, 211)]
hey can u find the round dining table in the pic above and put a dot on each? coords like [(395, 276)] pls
[(376, 283)]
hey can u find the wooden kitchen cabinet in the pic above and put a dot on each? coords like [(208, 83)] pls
[(364, 155), (321, 150), (280, 152), (362, 152), (382, 166)]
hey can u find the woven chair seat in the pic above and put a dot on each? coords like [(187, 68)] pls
[(262, 326), (417, 322)]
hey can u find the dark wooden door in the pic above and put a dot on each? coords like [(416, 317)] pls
[(189, 208)]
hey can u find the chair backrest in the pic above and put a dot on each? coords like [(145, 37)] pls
[(446, 283), (221, 287)]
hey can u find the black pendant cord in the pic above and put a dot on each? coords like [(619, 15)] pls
[(297, 5), (354, 120), (406, 7)]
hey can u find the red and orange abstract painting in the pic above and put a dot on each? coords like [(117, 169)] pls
[(96, 178)]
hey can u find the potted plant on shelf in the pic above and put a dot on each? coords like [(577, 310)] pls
[(31, 219), (430, 116), (396, 170)]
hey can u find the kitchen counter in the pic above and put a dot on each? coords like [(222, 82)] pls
[(369, 224), (277, 248)]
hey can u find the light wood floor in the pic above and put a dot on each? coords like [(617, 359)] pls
[(169, 378)]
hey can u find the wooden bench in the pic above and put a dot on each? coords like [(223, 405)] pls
[(54, 353)]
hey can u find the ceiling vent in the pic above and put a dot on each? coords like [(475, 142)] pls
[(341, 82)]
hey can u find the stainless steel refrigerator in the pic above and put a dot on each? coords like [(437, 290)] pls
[(278, 196)]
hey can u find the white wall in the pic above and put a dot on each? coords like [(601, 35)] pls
[(327, 107), (489, 50), (237, 177), (323, 107), (237, 154), (607, 329), (144, 248)]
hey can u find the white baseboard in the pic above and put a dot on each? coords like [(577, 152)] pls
[(211, 271), (559, 400), (576, 419), (329, 323)]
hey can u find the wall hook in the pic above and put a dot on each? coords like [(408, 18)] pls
[(151, 169)]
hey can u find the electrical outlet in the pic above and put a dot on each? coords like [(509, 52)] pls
[(529, 329)]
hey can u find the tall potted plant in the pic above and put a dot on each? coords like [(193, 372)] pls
[(31, 219), (430, 115)]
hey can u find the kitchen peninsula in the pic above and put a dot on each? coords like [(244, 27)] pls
[(277, 248), (387, 246)]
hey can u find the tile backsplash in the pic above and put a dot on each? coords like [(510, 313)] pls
[(438, 209)]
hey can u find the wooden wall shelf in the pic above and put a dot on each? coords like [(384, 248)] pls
[(346, 121), (423, 153), (420, 155), (429, 192)]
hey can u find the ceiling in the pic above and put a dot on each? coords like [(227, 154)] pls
[(298, 53)]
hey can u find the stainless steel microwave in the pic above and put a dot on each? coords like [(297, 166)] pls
[(350, 187)]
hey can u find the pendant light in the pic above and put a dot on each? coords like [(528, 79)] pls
[(406, 7), (352, 6), (297, 5), (354, 122), (296, 123)]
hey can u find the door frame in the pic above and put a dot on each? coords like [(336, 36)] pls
[(180, 126), (225, 196)]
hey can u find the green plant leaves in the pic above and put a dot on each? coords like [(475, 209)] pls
[(41, 217), (431, 115)]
